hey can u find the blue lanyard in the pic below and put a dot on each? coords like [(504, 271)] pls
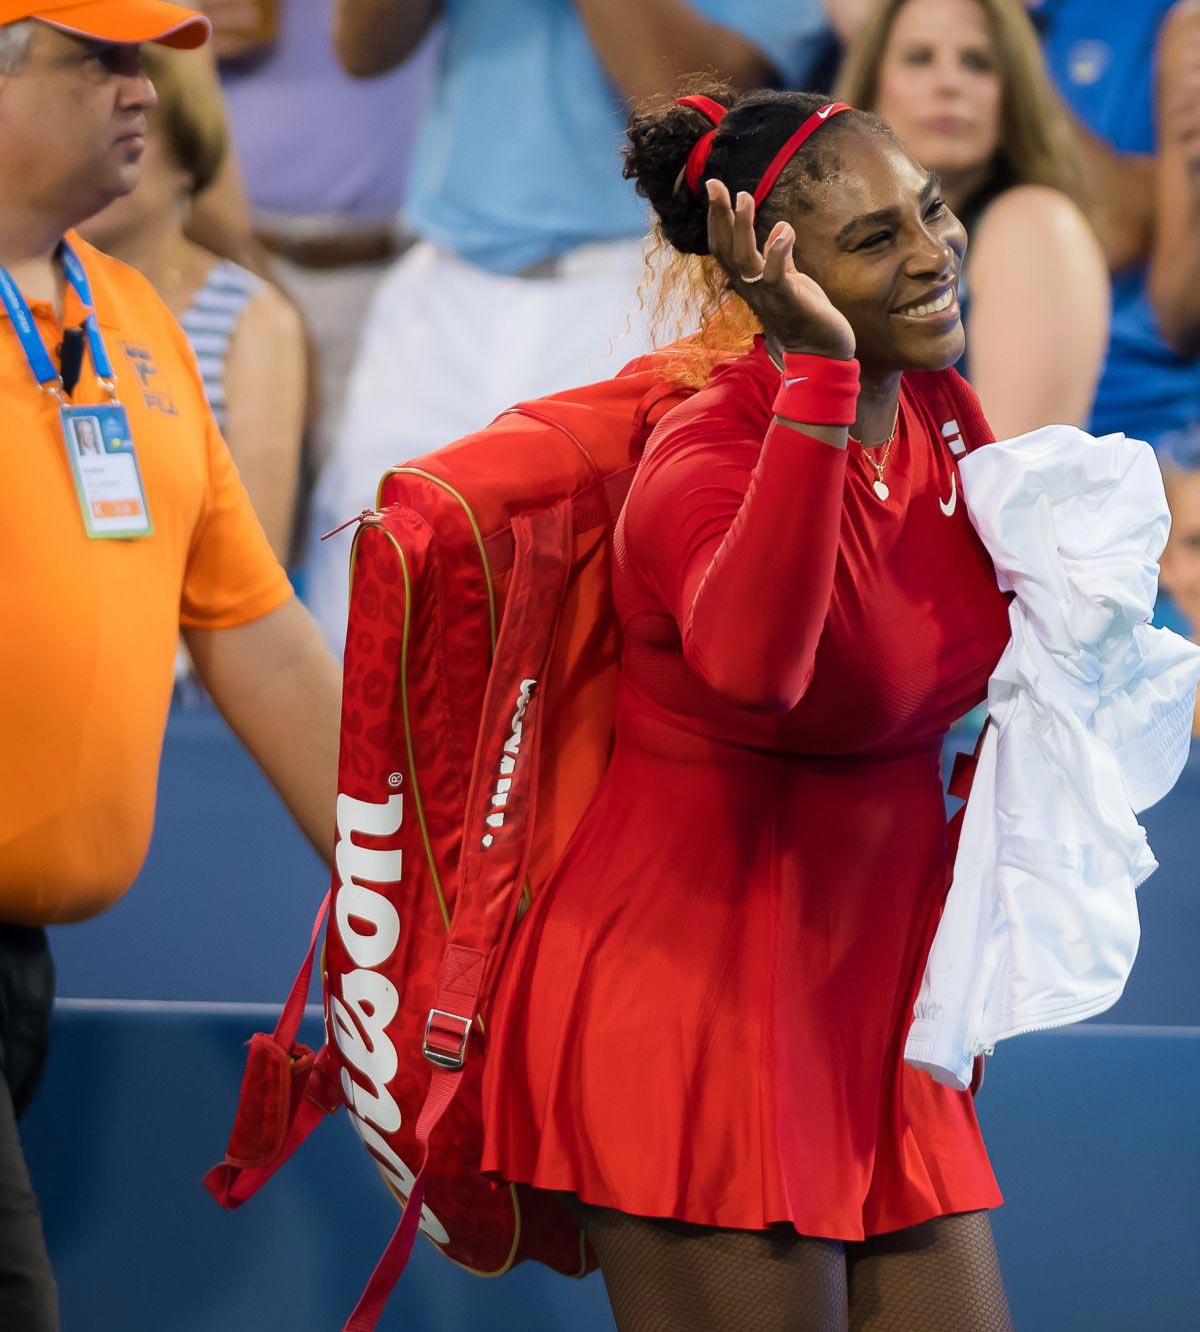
[(31, 340)]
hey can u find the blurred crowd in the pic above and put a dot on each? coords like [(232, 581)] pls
[(382, 221)]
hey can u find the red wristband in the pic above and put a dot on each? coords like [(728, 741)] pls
[(817, 390)]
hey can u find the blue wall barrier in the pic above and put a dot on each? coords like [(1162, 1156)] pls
[(1092, 1129), (135, 1107), (1092, 1132), (225, 902)]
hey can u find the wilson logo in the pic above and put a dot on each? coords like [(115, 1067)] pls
[(508, 763), (369, 927)]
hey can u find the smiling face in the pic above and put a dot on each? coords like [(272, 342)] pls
[(887, 251), (73, 121), (939, 86)]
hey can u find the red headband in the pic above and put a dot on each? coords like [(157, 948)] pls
[(698, 157), (789, 149), (714, 111)]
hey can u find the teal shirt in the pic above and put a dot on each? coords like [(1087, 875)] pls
[(518, 158)]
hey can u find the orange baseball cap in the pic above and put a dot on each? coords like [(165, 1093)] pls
[(126, 21)]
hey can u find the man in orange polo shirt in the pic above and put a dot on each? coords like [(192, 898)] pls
[(108, 551)]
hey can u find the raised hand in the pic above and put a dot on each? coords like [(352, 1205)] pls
[(794, 311)]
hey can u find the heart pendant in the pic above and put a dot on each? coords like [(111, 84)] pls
[(881, 489)]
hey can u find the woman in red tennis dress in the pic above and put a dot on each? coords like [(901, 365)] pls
[(699, 1037)]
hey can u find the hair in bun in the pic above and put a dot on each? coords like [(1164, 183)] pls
[(755, 127)]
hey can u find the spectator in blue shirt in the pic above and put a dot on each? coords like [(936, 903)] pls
[(525, 278), (1102, 59)]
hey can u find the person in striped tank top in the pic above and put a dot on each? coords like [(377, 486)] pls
[(209, 322), (248, 338)]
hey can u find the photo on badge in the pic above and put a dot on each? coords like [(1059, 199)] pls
[(86, 436)]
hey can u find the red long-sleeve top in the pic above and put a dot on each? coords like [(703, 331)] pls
[(764, 588)]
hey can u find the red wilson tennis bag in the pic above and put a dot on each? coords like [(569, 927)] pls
[(476, 722)]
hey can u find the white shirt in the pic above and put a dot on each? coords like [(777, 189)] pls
[(1090, 711)]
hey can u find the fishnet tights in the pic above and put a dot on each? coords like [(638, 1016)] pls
[(668, 1276), (942, 1276)]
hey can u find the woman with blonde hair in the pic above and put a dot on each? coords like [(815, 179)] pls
[(248, 338), (963, 84)]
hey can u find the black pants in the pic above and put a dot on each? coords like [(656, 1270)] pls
[(28, 1295)]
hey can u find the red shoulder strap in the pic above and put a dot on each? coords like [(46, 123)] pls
[(654, 406)]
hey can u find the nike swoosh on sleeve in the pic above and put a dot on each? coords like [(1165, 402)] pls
[(948, 506)]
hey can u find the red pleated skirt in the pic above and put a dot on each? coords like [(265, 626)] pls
[(705, 1011)]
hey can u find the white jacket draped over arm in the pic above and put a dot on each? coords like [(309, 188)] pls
[(1090, 720)]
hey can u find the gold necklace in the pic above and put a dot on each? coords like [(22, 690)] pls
[(879, 485)]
